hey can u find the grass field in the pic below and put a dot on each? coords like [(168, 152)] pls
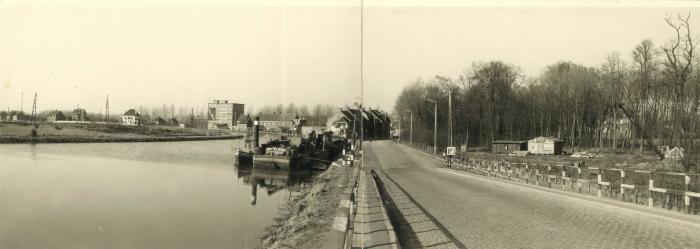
[(64, 133)]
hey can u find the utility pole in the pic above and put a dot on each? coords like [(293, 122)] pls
[(449, 116), (400, 120), (410, 138), (21, 105), (449, 107), (434, 126), (34, 109), (362, 68), (107, 108)]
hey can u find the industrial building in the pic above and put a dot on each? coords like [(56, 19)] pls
[(223, 115)]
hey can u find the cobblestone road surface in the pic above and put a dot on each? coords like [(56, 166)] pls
[(441, 209)]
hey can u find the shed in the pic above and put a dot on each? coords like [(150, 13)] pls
[(507, 146), (545, 146)]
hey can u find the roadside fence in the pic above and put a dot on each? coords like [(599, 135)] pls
[(668, 190)]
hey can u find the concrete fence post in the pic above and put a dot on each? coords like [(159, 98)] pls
[(650, 200), (549, 173), (527, 174), (537, 176), (578, 178), (600, 179), (686, 198), (509, 170), (563, 176), (622, 189)]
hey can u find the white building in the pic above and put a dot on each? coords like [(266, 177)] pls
[(131, 117), (223, 115), (545, 146)]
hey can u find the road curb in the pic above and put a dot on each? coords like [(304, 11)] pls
[(340, 235)]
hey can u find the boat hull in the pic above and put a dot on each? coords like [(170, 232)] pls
[(277, 162), (243, 158)]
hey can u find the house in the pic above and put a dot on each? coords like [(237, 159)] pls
[(622, 126), (159, 121), (131, 118), (377, 124), (338, 124), (54, 116), (15, 116), (277, 121), (174, 122), (545, 146), (244, 121), (79, 115), (306, 130), (507, 146)]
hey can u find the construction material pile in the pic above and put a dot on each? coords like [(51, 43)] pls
[(584, 154), (675, 154)]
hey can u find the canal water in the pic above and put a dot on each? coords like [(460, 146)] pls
[(135, 195)]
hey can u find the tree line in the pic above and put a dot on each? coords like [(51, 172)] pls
[(316, 115), (647, 101)]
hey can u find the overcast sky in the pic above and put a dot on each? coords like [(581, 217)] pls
[(76, 52)]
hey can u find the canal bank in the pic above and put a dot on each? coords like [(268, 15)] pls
[(109, 139), (12, 133), (306, 220), (342, 208)]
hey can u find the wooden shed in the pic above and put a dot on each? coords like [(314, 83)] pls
[(545, 146), (506, 146)]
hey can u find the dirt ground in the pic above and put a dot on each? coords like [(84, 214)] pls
[(306, 221)]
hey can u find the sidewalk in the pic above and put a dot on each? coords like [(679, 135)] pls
[(373, 228)]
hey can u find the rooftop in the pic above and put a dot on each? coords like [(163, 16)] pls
[(131, 112), (507, 142)]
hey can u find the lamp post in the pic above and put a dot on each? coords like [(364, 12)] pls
[(400, 120), (434, 126), (410, 138), (449, 108)]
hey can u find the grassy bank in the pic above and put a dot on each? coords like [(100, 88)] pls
[(605, 160), (306, 220), (92, 133)]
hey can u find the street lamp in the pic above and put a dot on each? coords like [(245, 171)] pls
[(400, 120), (434, 126), (410, 139), (449, 108)]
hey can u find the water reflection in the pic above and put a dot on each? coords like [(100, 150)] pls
[(131, 195), (32, 150), (272, 180)]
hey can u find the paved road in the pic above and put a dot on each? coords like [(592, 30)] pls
[(442, 209)]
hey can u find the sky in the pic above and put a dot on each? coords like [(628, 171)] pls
[(150, 53)]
